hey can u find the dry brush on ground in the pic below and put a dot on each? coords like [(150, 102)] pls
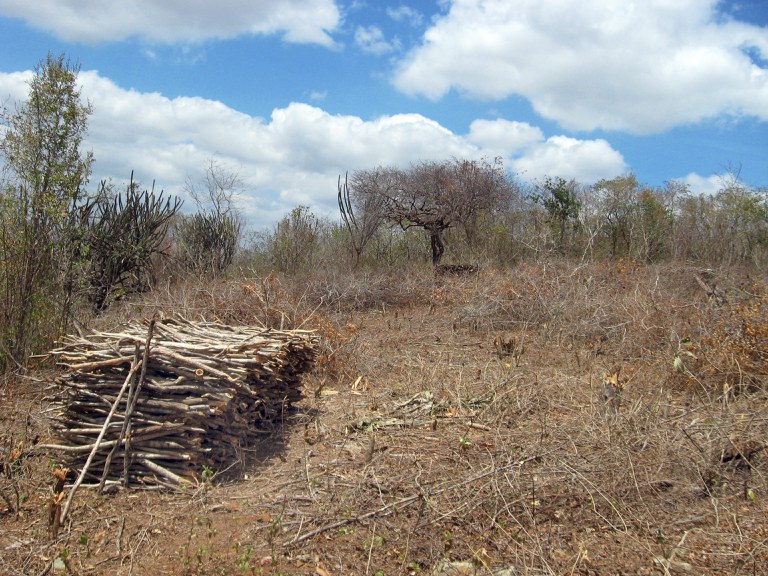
[(457, 425)]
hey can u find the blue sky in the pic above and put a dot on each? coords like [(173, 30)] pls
[(290, 94)]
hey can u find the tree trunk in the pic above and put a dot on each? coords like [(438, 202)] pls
[(436, 241)]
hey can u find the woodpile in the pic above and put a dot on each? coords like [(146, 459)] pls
[(162, 403)]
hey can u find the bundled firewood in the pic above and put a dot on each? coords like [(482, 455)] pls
[(162, 402)]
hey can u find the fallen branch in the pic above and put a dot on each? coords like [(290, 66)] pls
[(379, 512)]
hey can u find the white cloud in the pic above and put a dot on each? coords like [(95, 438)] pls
[(295, 156), (703, 184), (531, 156), (505, 136), (318, 95), (405, 14), (371, 39), (14, 87), (619, 65), (170, 21), (584, 160)]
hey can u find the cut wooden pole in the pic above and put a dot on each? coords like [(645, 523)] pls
[(125, 430), (164, 472), (132, 399), (134, 367)]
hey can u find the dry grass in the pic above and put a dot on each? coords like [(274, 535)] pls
[(421, 442)]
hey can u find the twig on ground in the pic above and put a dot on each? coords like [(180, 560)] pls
[(408, 500)]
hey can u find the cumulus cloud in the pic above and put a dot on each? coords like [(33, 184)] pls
[(14, 86), (584, 160), (170, 21), (371, 39), (532, 156), (699, 184), (295, 156), (622, 65), (505, 136)]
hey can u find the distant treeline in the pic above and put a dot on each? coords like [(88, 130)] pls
[(67, 252)]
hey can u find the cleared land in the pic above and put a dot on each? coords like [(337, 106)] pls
[(457, 423)]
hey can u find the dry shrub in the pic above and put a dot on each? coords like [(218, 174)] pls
[(736, 348), (337, 355), (368, 289), (319, 301), (617, 309)]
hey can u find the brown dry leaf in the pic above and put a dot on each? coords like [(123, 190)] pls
[(61, 473)]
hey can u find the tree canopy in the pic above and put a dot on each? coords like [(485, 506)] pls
[(435, 196)]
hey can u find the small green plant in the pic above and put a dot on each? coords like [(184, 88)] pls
[(243, 560), (202, 556), (208, 475), (274, 530), (464, 443), (414, 568), (85, 542), (448, 540)]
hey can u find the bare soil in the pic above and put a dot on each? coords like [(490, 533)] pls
[(458, 426)]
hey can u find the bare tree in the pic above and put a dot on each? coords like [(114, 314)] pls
[(436, 196), (208, 239), (217, 190), (362, 214)]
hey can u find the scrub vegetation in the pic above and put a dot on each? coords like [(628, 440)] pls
[(547, 378)]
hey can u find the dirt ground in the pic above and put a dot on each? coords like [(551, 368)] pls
[(463, 427)]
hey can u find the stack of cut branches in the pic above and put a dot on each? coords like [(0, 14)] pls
[(159, 403)]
